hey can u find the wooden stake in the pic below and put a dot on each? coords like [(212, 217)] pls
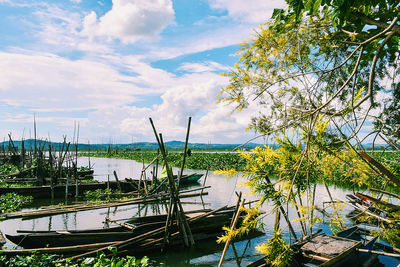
[(116, 179), (229, 239), (184, 152), (174, 196)]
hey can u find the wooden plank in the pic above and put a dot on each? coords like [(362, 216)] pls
[(72, 208), (126, 225), (365, 210), (395, 255), (343, 255), (315, 257)]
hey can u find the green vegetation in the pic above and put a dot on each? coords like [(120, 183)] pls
[(316, 71), (6, 184), (44, 260), (12, 202), (196, 161), (7, 169), (170, 145), (105, 195)]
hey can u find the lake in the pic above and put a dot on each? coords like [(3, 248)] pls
[(222, 192)]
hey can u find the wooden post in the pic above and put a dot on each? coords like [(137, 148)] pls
[(76, 188), (235, 220), (184, 152), (116, 179), (66, 187), (158, 153), (237, 207), (174, 199), (204, 182), (22, 154), (89, 154), (174, 194)]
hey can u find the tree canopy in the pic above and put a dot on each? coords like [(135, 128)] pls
[(321, 73), (339, 59)]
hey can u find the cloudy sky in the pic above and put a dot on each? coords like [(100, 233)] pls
[(110, 65)]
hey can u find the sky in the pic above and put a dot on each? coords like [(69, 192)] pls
[(108, 66)]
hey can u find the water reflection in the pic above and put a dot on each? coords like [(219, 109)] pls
[(222, 192)]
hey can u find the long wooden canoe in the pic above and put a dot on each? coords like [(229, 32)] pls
[(91, 236), (186, 179), (59, 190)]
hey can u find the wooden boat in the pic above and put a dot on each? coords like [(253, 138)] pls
[(189, 178), (186, 179), (138, 227), (329, 250), (135, 221), (59, 190), (364, 205), (89, 172)]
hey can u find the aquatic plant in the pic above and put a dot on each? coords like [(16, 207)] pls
[(7, 169), (11, 202), (45, 260)]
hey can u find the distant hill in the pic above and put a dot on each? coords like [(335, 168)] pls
[(170, 145)]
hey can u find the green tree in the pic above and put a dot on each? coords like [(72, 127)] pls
[(321, 57), (317, 71)]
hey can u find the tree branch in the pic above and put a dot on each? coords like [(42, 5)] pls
[(380, 24)]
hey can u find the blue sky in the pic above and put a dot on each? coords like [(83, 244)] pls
[(110, 65)]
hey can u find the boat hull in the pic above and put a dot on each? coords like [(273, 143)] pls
[(211, 224)]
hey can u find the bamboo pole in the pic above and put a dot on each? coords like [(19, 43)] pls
[(136, 239), (84, 207), (174, 196), (66, 187), (116, 179), (236, 207), (205, 178), (174, 199), (184, 152), (229, 238), (128, 226), (395, 255)]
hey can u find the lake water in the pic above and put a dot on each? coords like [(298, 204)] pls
[(222, 192)]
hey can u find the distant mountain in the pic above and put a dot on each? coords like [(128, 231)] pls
[(170, 145)]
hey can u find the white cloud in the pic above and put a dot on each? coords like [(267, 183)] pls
[(46, 81), (254, 11), (191, 95), (216, 38), (203, 67), (130, 20), (102, 88), (56, 84), (28, 118)]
